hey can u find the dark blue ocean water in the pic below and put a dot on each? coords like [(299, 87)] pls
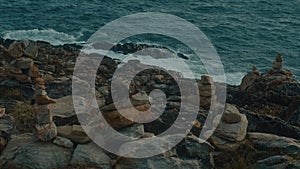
[(245, 33)]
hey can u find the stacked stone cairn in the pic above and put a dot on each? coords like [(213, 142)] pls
[(17, 62), (277, 68), (278, 63), (6, 127), (231, 131), (207, 91), (45, 127)]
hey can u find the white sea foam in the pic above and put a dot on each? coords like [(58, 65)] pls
[(49, 35), (233, 78)]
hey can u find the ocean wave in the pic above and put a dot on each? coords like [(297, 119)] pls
[(49, 35)]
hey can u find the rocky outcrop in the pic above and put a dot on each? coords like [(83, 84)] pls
[(259, 98), (249, 79), (276, 85), (282, 152)]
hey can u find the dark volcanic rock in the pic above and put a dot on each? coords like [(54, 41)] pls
[(269, 124)]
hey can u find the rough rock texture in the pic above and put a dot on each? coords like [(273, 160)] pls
[(15, 50), (277, 162), (189, 153), (90, 155), (249, 79), (74, 133), (292, 114), (25, 152), (269, 124), (276, 85), (271, 142)]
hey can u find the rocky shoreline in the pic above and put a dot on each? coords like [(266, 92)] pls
[(260, 127)]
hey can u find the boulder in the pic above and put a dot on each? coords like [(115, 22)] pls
[(43, 114), (292, 114), (117, 120), (207, 80), (276, 162), (64, 142), (75, 133), (224, 144), (15, 50), (249, 79), (231, 114), (270, 124), (45, 132), (207, 90), (24, 151), (189, 153), (64, 107), (134, 131), (233, 131), (31, 49), (24, 63), (90, 155), (274, 143)]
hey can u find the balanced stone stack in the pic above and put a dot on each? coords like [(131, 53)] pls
[(278, 63), (17, 61), (207, 91), (232, 130), (45, 127), (277, 68)]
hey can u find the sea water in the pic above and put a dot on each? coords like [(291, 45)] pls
[(245, 33)]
